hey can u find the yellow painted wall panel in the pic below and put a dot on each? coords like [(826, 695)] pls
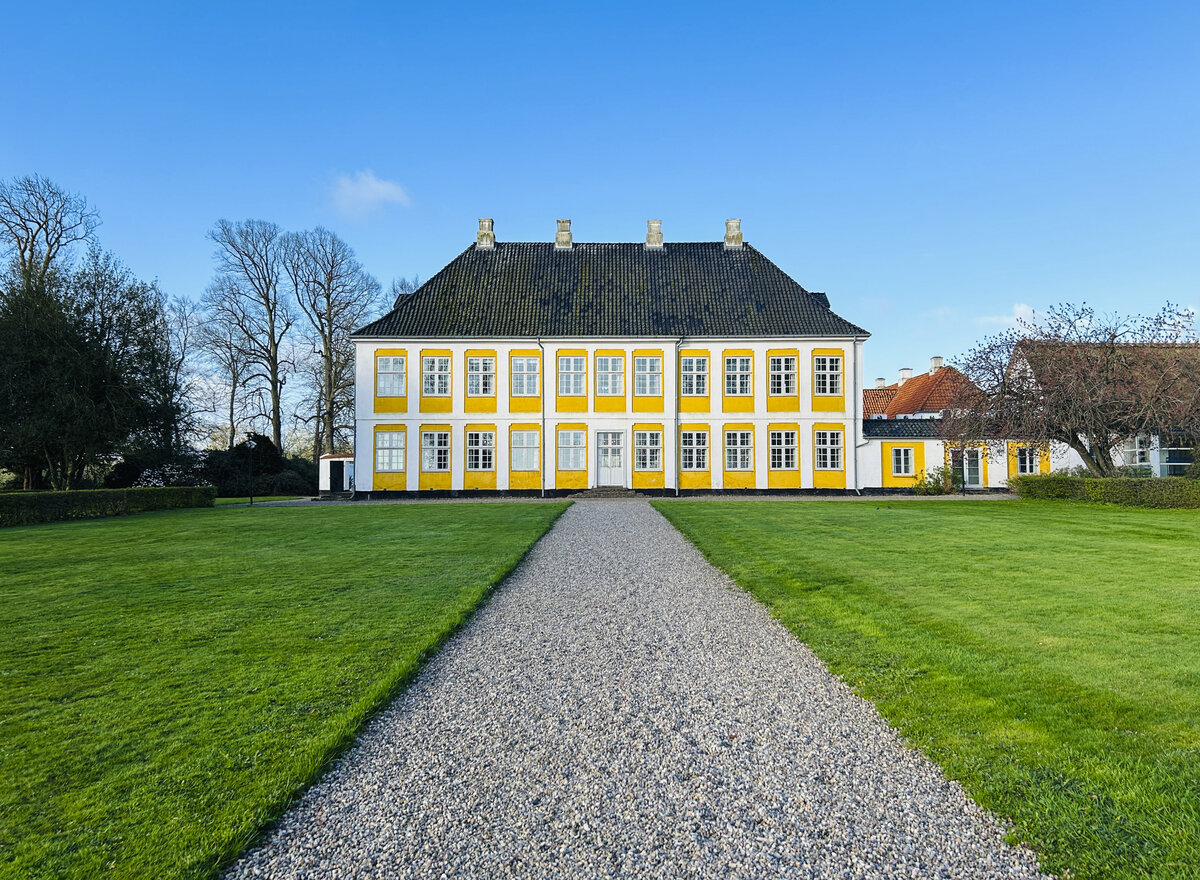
[(898, 481), (695, 480), (437, 403), (391, 404), (828, 402), (572, 402), (830, 479)]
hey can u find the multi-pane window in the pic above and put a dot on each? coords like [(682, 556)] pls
[(647, 450), (481, 450), (647, 376), (481, 376), (783, 375), (435, 376), (525, 451), (1137, 450), (827, 374), (739, 375), (435, 451), (828, 451), (902, 461), (572, 376), (572, 450), (693, 375), (1027, 460), (739, 450), (693, 450), (525, 377), (389, 451), (610, 376), (783, 450), (389, 376)]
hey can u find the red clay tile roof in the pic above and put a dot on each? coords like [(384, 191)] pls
[(928, 392), (876, 400)]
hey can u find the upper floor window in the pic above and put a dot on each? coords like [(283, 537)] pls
[(1027, 460), (739, 450), (389, 451), (693, 375), (828, 450), (572, 376), (647, 376), (739, 375), (481, 376), (783, 375), (435, 451), (902, 461), (389, 373), (525, 377), (435, 381), (481, 450), (783, 450), (693, 450), (827, 374), (647, 450), (610, 376), (572, 450), (525, 451)]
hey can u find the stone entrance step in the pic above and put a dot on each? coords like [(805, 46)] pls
[(606, 492)]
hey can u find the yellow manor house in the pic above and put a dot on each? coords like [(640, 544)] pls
[(548, 368)]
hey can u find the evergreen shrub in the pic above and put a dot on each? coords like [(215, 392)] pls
[(29, 508), (1161, 492)]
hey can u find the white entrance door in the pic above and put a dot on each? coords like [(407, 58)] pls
[(610, 462), (972, 469)]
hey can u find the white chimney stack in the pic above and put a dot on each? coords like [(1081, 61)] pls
[(935, 364), (486, 240), (881, 382), (654, 234), (562, 238), (733, 233), (905, 374)]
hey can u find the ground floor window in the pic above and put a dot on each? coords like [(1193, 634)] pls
[(828, 451), (739, 450), (389, 451), (1027, 460), (481, 450), (902, 461), (693, 450), (647, 450), (525, 451), (435, 451), (572, 450), (783, 450)]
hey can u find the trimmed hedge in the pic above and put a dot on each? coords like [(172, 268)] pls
[(1136, 491), (29, 508)]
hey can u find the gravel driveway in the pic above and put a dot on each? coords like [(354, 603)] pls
[(620, 710)]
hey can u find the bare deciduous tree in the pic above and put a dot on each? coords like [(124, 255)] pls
[(38, 221), (400, 288)]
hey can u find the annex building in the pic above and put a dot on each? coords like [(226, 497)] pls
[(551, 367)]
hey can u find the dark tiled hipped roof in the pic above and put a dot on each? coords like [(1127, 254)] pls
[(914, 429), (683, 289)]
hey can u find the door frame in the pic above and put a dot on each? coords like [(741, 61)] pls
[(623, 479)]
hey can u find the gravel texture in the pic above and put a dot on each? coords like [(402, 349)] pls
[(620, 709)]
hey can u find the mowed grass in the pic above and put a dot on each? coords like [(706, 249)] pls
[(169, 681), (1045, 654), (245, 499)]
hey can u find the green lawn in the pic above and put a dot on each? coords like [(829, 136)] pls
[(169, 681), (245, 499), (1045, 654)]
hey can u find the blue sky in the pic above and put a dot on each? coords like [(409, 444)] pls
[(931, 166)]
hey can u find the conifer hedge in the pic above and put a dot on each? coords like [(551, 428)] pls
[(29, 508)]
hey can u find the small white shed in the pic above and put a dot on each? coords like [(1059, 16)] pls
[(336, 474)]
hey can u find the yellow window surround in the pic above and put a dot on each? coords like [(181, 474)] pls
[(823, 400), (440, 400), (392, 403), (742, 380), (690, 400)]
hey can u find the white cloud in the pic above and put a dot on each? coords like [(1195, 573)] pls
[(359, 195), (1020, 312)]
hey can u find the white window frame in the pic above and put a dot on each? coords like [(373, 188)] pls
[(572, 375), (693, 450), (647, 376), (903, 458), (827, 376), (435, 375), (610, 375), (647, 451), (389, 454), (739, 455), (693, 376), (525, 381), (481, 450), (784, 452), (739, 371), (481, 376), (435, 452), (782, 376), (572, 454), (827, 450), (524, 454), (392, 380), (1027, 460)]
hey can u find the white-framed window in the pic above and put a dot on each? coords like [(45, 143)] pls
[(481, 450), (1027, 460), (827, 375), (435, 376), (647, 450), (389, 452), (902, 461), (572, 376), (572, 450), (481, 376), (828, 451), (1136, 450), (693, 376), (525, 451), (610, 376), (783, 375), (693, 450), (525, 377), (389, 376), (783, 450), (647, 376), (739, 450), (739, 376), (435, 451)]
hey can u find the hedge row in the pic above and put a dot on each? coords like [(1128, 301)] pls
[(28, 508), (1140, 492)]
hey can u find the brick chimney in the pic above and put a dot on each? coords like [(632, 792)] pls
[(562, 238), (733, 234), (935, 364), (486, 240), (881, 382), (905, 374), (654, 235)]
